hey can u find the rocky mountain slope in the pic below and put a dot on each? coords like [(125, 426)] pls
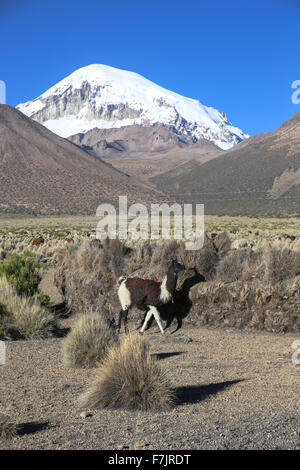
[(103, 97), (130, 141), (259, 176), (46, 174), (153, 165)]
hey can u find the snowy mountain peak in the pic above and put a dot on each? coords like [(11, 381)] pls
[(100, 96)]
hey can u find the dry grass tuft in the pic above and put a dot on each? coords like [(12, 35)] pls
[(88, 341), (129, 378), (8, 429), (22, 316), (280, 264)]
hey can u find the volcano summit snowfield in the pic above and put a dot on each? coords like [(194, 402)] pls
[(99, 96)]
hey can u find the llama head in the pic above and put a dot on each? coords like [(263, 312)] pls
[(176, 266)]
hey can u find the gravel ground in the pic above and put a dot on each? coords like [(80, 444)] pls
[(238, 390)]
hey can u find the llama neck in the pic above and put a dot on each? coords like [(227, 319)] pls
[(168, 287), (171, 281)]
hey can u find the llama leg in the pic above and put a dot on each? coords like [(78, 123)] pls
[(157, 318), (125, 321), (143, 320), (179, 324), (148, 316), (120, 320), (169, 321)]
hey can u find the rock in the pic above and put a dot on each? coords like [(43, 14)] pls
[(85, 414)]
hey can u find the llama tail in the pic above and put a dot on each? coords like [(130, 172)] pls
[(121, 279)]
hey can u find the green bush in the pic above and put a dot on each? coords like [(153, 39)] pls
[(22, 270)]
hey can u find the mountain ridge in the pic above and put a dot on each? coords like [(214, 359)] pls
[(259, 176), (100, 96)]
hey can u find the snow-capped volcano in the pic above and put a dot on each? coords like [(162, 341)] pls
[(99, 96)]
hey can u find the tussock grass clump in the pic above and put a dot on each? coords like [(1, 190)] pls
[(129, 378), (22, 316), (8, 428), (88, 341)]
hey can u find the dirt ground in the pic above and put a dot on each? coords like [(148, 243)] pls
[(236, 390)]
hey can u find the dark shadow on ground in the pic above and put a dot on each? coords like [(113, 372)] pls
[(195, 393), (60, 332), (32, 427), (161, 356), (61, 310)]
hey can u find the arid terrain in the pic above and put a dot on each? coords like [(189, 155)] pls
[(61, 177), (259, 176), (236, 390)]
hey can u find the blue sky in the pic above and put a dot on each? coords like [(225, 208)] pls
[(238, 56)]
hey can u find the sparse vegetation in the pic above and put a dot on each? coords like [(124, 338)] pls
[(86, 275), (8, 428), (129, 378), (241, 281), (86, 271), (22, 317), (88, 341)]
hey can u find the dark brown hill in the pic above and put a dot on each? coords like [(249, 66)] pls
[(258, 176), (46, 174)]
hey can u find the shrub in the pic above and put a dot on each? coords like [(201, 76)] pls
[(222, 243), (21, 270), (231, 267), (280, 264), (22, 316), (129, 378), (88, 341), (86, 275), (8, 429), (204, 260)]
